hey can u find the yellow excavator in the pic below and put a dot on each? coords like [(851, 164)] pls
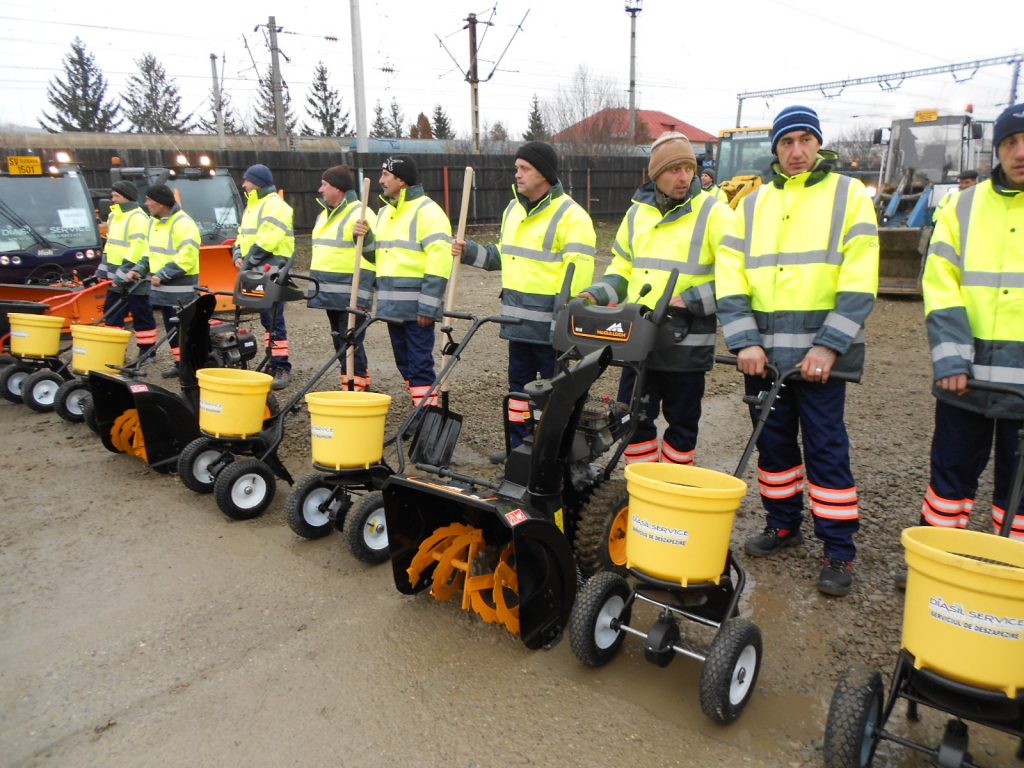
[(744, 161)]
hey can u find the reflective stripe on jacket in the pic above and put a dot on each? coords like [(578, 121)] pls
[(974, 294), (173, 256), (648, 246), (803, 270), (413, 255), (535, 249), (127, 233), (334, 257), (266, 234)]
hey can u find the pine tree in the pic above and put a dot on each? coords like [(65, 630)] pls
[(421, 128), (80, 99), (208, 124), (263, 115), (395, 120), (442, 125), (535, 129), (380, 128), (323, 105), (152, 103)]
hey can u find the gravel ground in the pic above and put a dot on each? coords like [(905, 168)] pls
[(139, 627)]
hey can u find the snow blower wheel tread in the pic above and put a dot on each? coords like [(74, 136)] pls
[(601, 530), (11, 380)]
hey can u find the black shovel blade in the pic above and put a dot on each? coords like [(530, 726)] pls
[(436, 437)]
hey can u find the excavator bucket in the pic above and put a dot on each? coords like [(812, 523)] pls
[(901, 259), (501, 562)]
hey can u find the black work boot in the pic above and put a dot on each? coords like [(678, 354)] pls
[(771, 540), (836, 577), (170, 373)]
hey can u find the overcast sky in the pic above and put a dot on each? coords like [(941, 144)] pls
[(692, 58)]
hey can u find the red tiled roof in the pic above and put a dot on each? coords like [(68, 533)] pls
[(655, 122)]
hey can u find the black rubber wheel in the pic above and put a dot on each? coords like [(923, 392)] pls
[(89, 413), (601, 530), (366, 530), (71, 399), (303, 509), (730, 670), (603, 599), (39, 390), (244, 489), (854, 719), (11, 380), (199, 462)]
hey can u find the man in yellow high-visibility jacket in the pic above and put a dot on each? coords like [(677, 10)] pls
[(413, 255), (974, 305), (672, 224), (707, 183), (333, 265), (796, 289), (127, 235), (543, 231), (266, 238)]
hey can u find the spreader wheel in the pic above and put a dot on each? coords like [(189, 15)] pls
[(39, 390), (71, 400), (366, 530), (244, 489), (308, 511), (601, 531), (730, 670), (12, 378), (602, 602), (854, 720), (200, 463)]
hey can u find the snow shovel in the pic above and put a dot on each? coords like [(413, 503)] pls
[(350, 357), (439, 429)]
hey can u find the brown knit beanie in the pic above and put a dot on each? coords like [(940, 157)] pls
[(670, 149), (339, 177)]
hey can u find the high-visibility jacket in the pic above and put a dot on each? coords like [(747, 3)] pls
[(172, 255), (648, 246), (718, 193), (266, 234), (413, 255), (536, 247), (334, 257), (127, 233), (974, 293), (803, 270)]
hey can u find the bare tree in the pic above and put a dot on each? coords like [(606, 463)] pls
[(856, 149), (584, 106)]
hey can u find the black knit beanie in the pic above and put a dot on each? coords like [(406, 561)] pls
[(402, 166), (162, 194), (126, 189), (541, 156)]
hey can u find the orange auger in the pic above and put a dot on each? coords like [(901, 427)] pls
[(126, 434), (455, 549)]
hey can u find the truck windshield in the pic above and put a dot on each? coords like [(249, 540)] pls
[(932, 150), (212, 202), (745, 155), (46, 211)]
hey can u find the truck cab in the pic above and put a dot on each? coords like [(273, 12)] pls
[(48, 227)]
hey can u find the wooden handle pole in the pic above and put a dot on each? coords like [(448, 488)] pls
[(350, 355), (460, 234)]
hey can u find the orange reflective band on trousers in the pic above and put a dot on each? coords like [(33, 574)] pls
[(1016, 530), (639, 453), (359, 383), (945, 513), (176, 351), (670, 455), (145, 338), (280, 348), (834, 503), (781, 485), (518, 411), (418, 393)]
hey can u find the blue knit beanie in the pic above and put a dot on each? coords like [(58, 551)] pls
[(1011, 121), (795, 118), (259, 175)]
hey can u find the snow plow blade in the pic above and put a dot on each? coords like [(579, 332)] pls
[(456, 538), (901, 259)]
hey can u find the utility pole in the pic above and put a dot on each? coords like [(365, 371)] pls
[(275, 78), (362, 144), (633, 7), (474, 81), (1014, 81), (218, 105)]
